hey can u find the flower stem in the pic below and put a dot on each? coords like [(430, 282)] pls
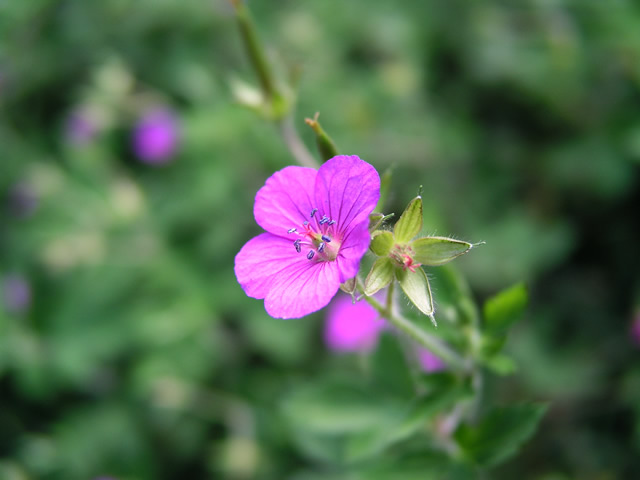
[(437, 346), (295, 145), (325, 144)]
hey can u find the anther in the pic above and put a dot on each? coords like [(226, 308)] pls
[(310, 254), (321, 247), (291, 230), (326, 239), (313, 212), (297, 245), (332, 222), (323, 220), (305, 223)]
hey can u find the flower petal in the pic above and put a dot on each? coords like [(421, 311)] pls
[(302, 289), (269, 267), (285, 200), (354, 246), (347, 190)]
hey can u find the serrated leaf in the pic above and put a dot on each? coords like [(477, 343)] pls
[(434, 251), (499, 434), (502, 310), (410, 222), (380, 276), (381, 243), (416, 287)]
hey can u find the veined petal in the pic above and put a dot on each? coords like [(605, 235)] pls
[(286, 200), (354, 245), (269, 267), (347, 190)]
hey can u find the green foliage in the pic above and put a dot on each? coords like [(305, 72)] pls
[(499, 434)]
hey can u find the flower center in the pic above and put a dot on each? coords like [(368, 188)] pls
[(317, 237)]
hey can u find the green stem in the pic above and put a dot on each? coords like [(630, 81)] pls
[(326, 145), (254, 49), (437, 346)]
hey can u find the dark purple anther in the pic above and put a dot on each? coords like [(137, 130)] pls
[(291, 230), (297, 245), (310, 254), (326, 239), (305, 223), (332, 222), (323, 220), (313, 212), (321, 247)]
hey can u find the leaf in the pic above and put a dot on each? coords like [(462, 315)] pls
[(500, 434), (434, 251), (380, 276), (502, 310), (410, 222), (416, 287), (381, 243)]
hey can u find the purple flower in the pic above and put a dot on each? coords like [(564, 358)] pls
[(428, 361), (155, 136), (352, 327), (317, 225), (16, 293), (81, 127)]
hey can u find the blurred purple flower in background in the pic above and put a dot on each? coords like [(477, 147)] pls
[(429, 362), (352, 327), (22, 200), (156, 136), (16, 293), (355, 327), (81, 127)]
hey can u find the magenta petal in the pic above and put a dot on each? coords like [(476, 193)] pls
[(352, 327), (428, 361), (268, 267), (286, 199), (347, 189), (354, 246)]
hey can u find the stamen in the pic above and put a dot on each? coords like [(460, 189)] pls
[(297, 245), (310, 254), (326, 239), (313, 212), (321, 247), (323, 220), (332, 222), (292, 230), (305, 223)]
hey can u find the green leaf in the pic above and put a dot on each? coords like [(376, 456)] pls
[(502, 310), (416, 287), (380, 276), (434, 251), (500, 434), (410, 222), (382, 243)]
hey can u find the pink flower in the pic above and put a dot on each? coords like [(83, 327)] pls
[(352, 327), (428, 361), (155, 137), (355, 327), (317, 225)]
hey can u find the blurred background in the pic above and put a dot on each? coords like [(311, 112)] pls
[(127, 177)]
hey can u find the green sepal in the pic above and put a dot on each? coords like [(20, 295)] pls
[(434, 251), (415, 286), (410, 222), (380, 276), (349, 286), (381, 243), (376, 219)]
